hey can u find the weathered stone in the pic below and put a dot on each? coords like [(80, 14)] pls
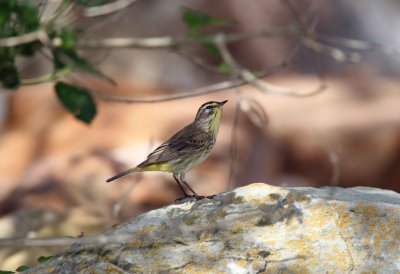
[(254, 229)]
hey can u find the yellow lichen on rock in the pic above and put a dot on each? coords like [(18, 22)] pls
[(257, 228)]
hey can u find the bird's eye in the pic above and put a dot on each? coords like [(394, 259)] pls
[(209, 107)]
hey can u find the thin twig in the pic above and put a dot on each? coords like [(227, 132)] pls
[(234, 71), (356, 44), (218, 87), (198, 61), (334, 158), (152, 42), (255, 111), (42, 6), (233, 146), (309, 36), (266, 87), (117, 207), (107, 8), (21, 39), (255, 81), (65, 6), (298, 18), (336, 53), (171, 42)]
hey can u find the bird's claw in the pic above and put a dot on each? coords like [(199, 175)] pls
[(190, 198), (185, 199)]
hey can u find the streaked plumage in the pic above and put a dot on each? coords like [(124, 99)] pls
[(186, 149)]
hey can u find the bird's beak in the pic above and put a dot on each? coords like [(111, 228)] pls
[(222, 103)]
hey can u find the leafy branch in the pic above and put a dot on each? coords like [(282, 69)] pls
[(23, 33)]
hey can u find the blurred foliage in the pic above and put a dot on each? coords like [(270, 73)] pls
[(77, 100), (197, 22), (22, 268), (43, 259), (19, 18), (16, 18), (91, 3), (66, 57)]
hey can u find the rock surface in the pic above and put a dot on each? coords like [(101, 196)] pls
[(254, 229)]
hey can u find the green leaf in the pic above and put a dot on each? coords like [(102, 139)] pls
[(18, 17), (224, 68), (6, 272), (68, 39), (76, 100), (28, 15), (22, 268), (4, 17), (213, 50), (90, 3), (9, 77), (68, 57), (195, 20), (43, 259)]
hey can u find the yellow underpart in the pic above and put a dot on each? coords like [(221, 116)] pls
[(215, 121), (156, 167)]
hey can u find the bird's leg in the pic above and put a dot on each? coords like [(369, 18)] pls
[(186, 196), (182, 177), (180, 186)]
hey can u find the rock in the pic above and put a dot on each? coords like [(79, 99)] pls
[(253, 229)]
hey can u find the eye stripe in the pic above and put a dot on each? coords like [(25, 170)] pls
[(210, 106)]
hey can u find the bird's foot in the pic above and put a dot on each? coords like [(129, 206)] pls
[(185, 199), (190, 198), (204, 197)]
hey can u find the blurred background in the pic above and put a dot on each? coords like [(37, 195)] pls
[(53, 167)]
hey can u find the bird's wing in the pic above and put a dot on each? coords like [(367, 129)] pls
[(185, 141)]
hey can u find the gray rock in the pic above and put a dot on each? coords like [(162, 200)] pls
[(254, 229)]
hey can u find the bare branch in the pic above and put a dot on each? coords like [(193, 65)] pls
[(218, 87), (298, 18), (151, 42), (65, 7), (197, 60), (170, 42), (334, 158), (22, 39), (233, 147), (309, 36), (255, 111), (337, 54), (107, 8), (266, 87), (255, 81), (358, 44)]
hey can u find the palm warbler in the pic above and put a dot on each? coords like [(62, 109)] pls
[(186, 149)]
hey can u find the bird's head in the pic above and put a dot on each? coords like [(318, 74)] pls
[(209, 115)]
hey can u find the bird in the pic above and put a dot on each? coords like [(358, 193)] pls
[(184, 150)]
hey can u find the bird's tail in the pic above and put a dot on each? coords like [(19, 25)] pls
[(122, 174)]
